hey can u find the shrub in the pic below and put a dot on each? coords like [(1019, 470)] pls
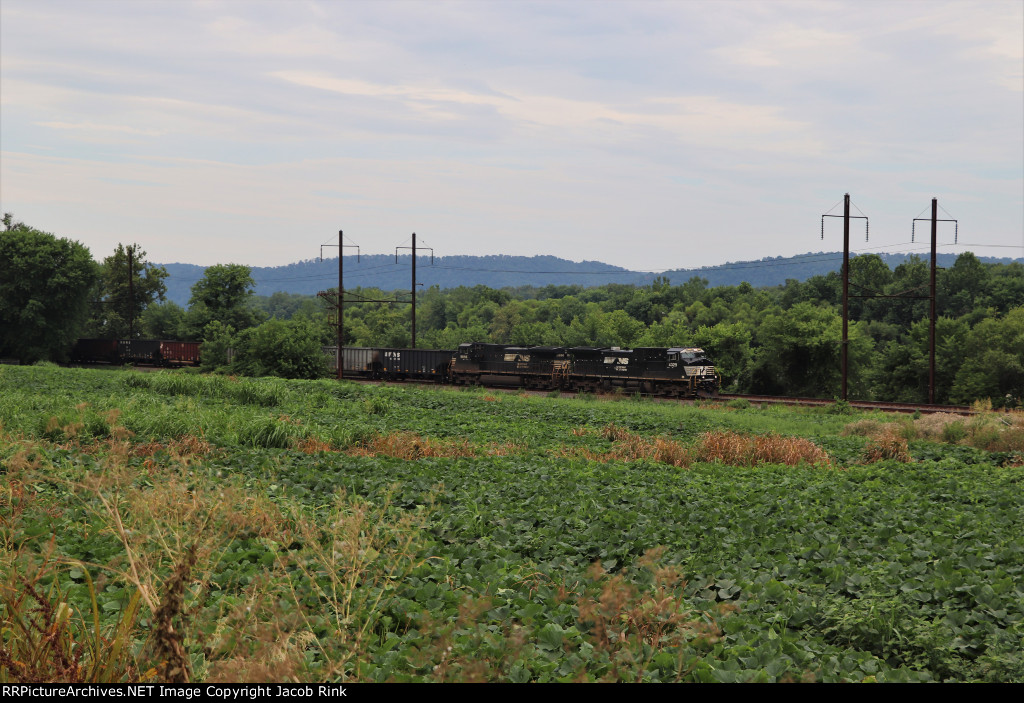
[(954, 433), (840, 407), (289, 349)]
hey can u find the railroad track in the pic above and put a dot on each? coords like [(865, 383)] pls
[(725, 397), (859, 404)]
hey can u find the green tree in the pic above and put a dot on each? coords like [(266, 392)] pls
[(909, 279), (224, 295), (963, 286), (286, 348), (903, 373), (994, 362), (1007, 285), (45, 286), (285, 306), (728, 346), (798, 353), (124, 296), (164, 321), (217, 339), (869, 275)]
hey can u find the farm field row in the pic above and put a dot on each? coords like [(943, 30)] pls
[(271, 530)]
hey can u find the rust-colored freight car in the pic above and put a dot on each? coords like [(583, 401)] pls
[(179, 353)]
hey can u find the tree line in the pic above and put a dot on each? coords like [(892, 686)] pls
[(778, 340)]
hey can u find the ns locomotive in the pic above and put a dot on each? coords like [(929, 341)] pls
[(679, 372)]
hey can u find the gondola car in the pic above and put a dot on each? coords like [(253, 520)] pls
[(147, 352), (397, 364)]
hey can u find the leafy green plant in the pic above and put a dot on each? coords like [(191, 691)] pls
[(954, 433), (840, 407), (377, 405), (468, 526), (48, 641)]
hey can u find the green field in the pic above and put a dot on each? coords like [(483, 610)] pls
[(169, 525)]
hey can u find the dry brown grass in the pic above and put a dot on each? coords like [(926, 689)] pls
[(744, 450), (632, 447), (722, 447), (997, 431), (411, 446), (327, 574), (986, 429), (312, 445), (887, 446), (933, 425)]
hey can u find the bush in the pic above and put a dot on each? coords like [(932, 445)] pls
[(290, 349), (954, 432), (840, 407), (218, 338)]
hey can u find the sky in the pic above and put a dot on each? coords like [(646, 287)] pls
[(649, 135)]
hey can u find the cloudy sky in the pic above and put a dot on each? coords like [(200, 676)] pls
[(650, 135)]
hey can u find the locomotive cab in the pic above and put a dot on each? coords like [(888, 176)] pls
[(703, 378)]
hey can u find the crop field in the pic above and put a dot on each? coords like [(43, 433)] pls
[(173, 526)]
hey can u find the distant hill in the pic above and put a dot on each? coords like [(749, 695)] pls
[(381, 271)]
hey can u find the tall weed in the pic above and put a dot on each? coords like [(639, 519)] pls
[(47, 641)]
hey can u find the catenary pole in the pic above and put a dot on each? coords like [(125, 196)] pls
[(845, 344), (931, 323), (846, 290)]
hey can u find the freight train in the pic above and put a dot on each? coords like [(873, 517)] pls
[(150, 352), (680, 372)]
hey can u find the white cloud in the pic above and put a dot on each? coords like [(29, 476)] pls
[(211, 128), (700, 119)]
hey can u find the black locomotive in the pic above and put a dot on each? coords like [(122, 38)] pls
[(679, 372)]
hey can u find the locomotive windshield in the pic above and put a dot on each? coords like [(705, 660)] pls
[(692, 357)]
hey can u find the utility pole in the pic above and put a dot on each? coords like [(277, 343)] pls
[(846, 281), (413, 247), (931, 315), (131, 297), (932, 293), (341, 294)]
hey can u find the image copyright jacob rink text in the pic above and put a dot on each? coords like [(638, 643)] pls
[(226, 692)]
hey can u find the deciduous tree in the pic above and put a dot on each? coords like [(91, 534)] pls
[(128, 285), (45, 286), (224, 295)]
